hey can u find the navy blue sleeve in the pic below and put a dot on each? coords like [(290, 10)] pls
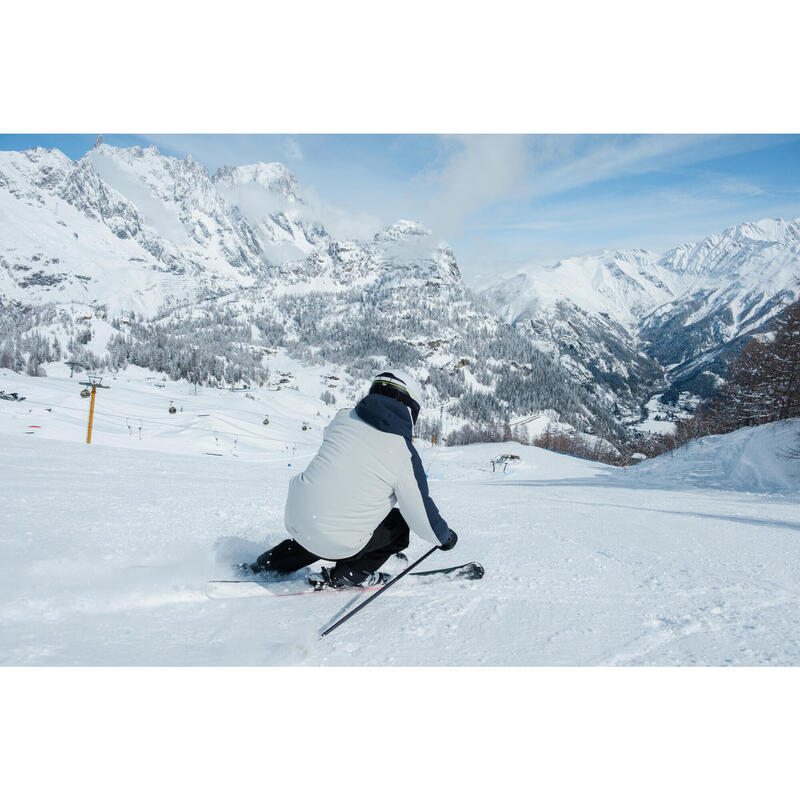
[(438, 525)]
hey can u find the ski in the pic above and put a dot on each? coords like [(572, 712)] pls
[(471, 571), (235, 589), (253, 587)]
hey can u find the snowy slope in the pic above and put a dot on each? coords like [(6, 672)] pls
[(67, 238), (106, 549), (748, 460), (134, 412), (266, 196)]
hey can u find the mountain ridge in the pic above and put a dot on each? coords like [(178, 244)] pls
[(131, 229), (686, 311)]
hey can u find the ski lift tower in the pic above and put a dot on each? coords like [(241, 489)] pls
[(96, 383), (72, 365), (441, 408)]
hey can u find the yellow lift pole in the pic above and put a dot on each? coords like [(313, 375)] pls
[(95, 383)]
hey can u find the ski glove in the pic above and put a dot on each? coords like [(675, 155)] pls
[(451, 541)]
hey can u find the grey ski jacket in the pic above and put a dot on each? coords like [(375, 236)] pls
[(366, 465)]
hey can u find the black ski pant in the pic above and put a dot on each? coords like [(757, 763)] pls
[(390, 537)]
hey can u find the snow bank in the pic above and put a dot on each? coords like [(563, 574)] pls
[(473, 462), (748, 460)]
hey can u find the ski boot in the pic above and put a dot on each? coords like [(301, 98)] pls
[(326, 579), (246, 570)]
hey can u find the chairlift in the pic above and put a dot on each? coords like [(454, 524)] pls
[(504, 459)]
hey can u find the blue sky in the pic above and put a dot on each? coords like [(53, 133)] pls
[(508, 201)]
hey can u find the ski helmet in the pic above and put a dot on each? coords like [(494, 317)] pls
[(399, 385)]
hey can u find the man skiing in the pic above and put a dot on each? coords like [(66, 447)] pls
[(342, 507)]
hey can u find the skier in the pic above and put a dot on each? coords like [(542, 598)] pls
[(341, 508)]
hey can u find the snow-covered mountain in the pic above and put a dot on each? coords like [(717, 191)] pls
[(223, 269), (620, 284), (584, 311), (238, 262), (132, 229), (729, 286), (632, 320), (397, 298), (400, 256)]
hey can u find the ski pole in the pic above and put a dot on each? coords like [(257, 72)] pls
[(379, 592)]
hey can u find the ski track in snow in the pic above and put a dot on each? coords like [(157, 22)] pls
[(105, 553)]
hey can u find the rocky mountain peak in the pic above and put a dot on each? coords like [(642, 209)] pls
[(273, 176), (737, 249), (402, 230)]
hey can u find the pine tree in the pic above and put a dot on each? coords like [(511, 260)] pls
[(763, 383)]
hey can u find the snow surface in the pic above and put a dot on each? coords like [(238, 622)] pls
[(106, 549), (748, 460), (621, 283), (127, 177)]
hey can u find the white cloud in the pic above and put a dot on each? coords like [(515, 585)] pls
[(572, 162), (292, 149), (740, 187), (480, 170), (534, 225), (213, 151), (242, 149), (524, 197), (340, 223)]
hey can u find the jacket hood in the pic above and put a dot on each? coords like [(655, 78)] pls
[(385, 414)]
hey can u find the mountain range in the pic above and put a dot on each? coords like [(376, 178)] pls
[(129, 235), (671, 320)]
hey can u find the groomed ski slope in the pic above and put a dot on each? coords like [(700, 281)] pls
[(105, 551)]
